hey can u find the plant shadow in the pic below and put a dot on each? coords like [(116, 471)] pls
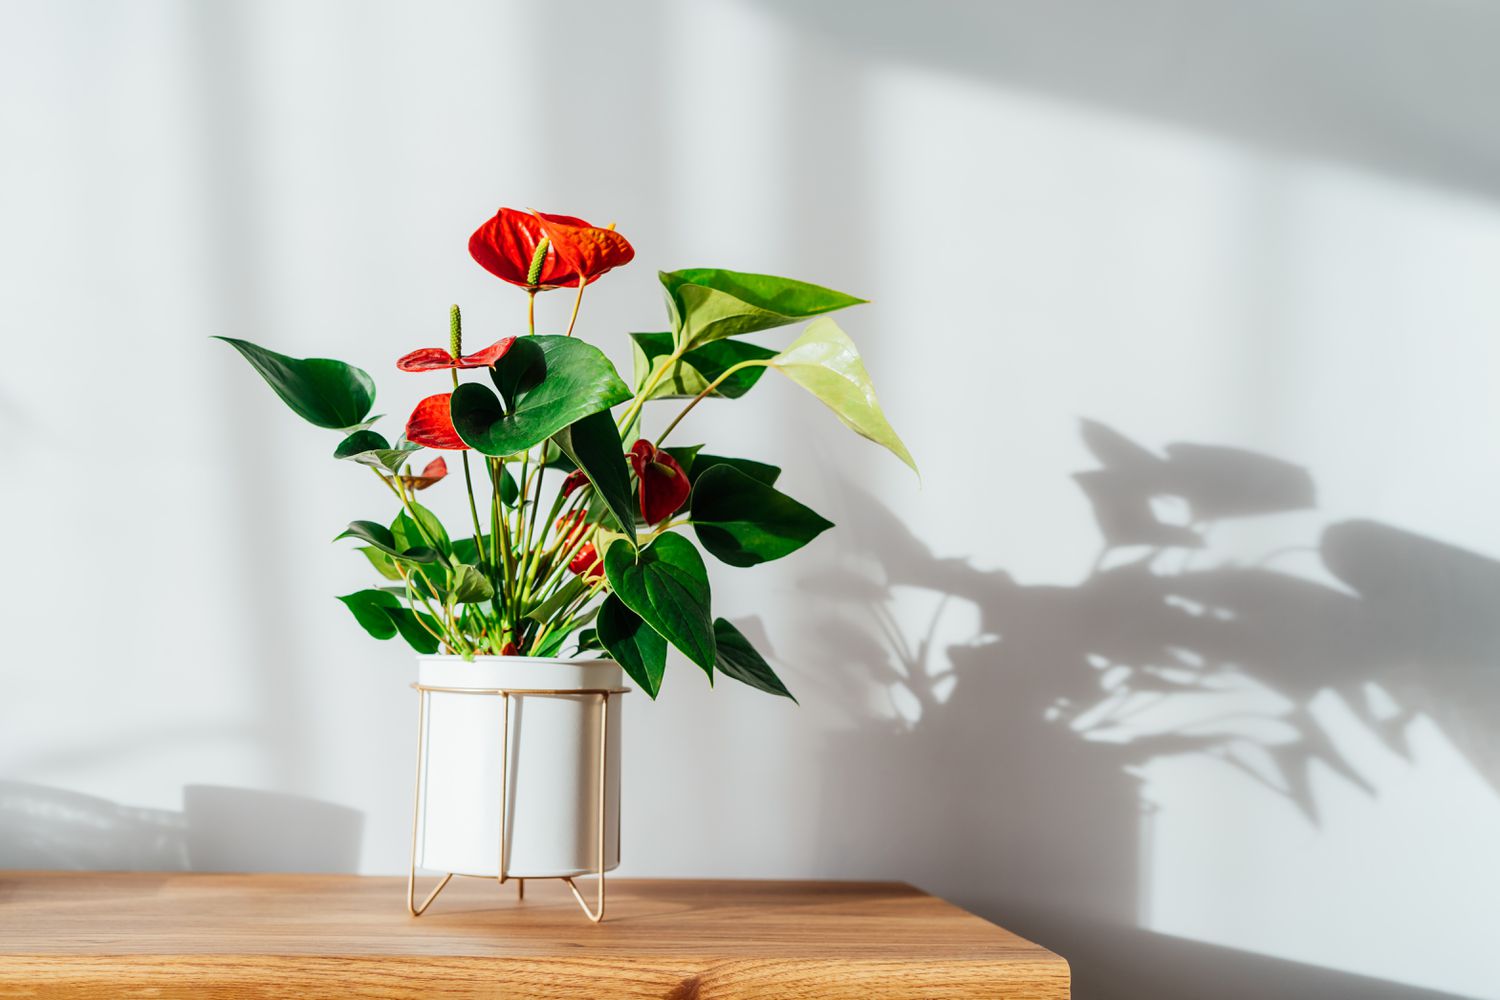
[(1000, 757), (218, 829)]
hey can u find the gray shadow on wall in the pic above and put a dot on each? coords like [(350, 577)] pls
[(1004, 772), (1397, 86), (218, 829)]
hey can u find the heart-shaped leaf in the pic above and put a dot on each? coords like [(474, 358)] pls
[(738, 659), (381, 614), (694, 371), (707, 304), (761, 472), (369, 448), (667, 585), (593, 444), (578, 381), (825, 362), (744, 522), (319, 390), (633, 644)]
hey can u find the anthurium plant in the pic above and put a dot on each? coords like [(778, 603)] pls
[(577, 531)]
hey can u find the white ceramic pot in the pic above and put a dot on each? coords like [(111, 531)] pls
[(552, 791)]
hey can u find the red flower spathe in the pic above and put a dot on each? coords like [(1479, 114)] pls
[(664, 486), (506, 244), (431, 424), (431, 473), (432, 359), (588, 251)]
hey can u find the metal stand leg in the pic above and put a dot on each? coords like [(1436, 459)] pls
[(597, 913), (416, 810)]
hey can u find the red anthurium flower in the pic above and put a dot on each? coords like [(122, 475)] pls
[(664, 486), (587, 563), (431, 424), (588, 251), (575, 479), (435, 470), (431, 359), (506, 245)]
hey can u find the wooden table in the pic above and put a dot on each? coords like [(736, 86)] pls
[(83, 934)]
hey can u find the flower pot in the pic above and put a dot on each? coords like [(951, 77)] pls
[(551, 795)]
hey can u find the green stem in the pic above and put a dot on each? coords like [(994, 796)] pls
[(707, 390), (577, 301)]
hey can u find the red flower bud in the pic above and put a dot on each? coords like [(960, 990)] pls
[(434, 471), (664, 486)]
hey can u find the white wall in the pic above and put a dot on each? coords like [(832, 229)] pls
[(1265, 766)]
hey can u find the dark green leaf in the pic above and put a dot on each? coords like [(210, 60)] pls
[(381, 614), (321, 391), (579, 381), (738, 659), (633, 644), (369, 609), (588, 640), (758, 471), (594, 444), (426, 530), (706, 304), (744, 522), (694, 371), (520, 370), (380, 536), (465, 551), (369, 448), (666, 584)]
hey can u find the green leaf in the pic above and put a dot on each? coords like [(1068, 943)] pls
[(384, 564), (694, 371), (825, 362), (466, 551), (707, 304), (633, 644), (408, 535), (738, 659), (380, 536), (469, 586), (369, 607), (382, 615), (745, 522), (761, 472), (566, 594), (588, 641), (321, 391), (667, 585), (579, 381), (369, 448), (593, 444)]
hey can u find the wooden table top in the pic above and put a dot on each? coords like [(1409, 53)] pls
[(176, 935)]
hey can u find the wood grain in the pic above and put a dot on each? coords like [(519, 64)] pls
[(252, 936)]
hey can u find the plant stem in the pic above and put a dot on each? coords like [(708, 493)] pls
[(707, 390), (577, 301)]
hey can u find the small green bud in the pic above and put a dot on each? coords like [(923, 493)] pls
[(455, 333), (534, 273)]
